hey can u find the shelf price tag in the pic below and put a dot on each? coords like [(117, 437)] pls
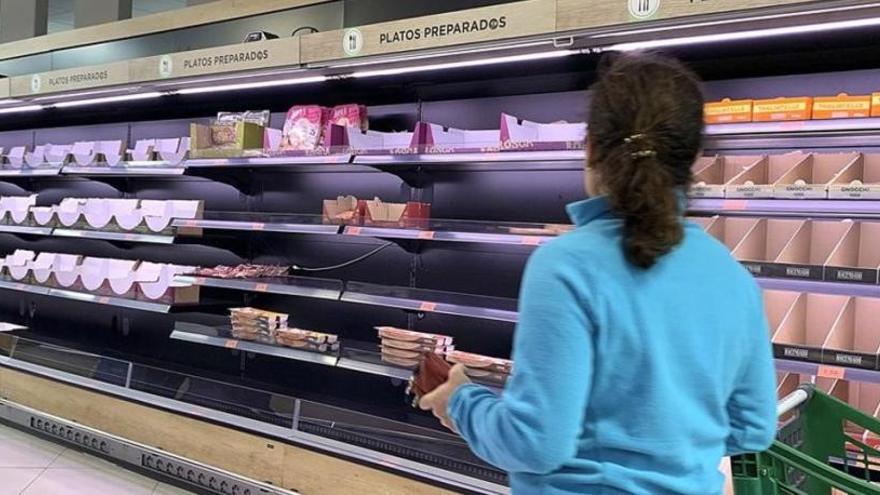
[(426, 235), (231, 344), (353, 231), (258, 226), (261, 288), (530, 240), (103, 300), (834, 372), (427, 307)]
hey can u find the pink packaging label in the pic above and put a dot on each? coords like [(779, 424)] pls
[(303, 128)]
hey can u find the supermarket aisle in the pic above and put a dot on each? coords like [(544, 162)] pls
[(32, 466)]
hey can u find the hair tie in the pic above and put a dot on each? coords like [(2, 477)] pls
[(637, 154)]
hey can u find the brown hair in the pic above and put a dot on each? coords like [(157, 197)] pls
[(645, 131)]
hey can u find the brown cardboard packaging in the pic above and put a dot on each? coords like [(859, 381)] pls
[(226, 140), (781, 109), (861, 180), (409, 214), (713, 174), (875, 105), (762, 241), (807, 252), (758, 180), (728, 111), (344, 209), (811, 178), (842, 106), (856, 258)]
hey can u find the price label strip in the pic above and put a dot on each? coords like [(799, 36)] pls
[(834, 372)]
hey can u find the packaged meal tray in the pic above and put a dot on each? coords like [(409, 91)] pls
[(294, 334), (303, 127), (305, 345), (258, 117), (253, 314), (479, 362), (403, 353), (406, 345), (400, 334)]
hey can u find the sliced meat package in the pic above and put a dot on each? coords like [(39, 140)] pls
[(478, 362), (296, 334), (406, 345)]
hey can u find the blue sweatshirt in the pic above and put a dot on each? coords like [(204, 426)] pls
[(627, 381)]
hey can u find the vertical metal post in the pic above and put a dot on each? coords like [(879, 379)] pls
[(128, 374), (297, 409)]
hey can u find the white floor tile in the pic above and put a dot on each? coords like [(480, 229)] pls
[(63, 481), (74, 459), (14, 480), (19, 450), (164, 489)]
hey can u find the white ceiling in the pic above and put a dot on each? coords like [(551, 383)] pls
[(61, 11)]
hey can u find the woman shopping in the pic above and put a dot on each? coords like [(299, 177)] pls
[(642, 354)]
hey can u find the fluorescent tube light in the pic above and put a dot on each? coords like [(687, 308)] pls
[(9, 101), (250, 85), (745, 35), (467, 63), (106, 99), (26, 108)]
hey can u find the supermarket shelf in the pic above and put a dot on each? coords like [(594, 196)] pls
[(820, 287), (256, 348), (851, 374), (816, 208), (129, 169), (475, 161), (801, 126), (114, 236), (435, 233), (89, 298), (315, 288), (30, 172), (430, 301), (10, 327), (257, 222), (27, 230), (278, 161)]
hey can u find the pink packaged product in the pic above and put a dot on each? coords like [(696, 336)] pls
[(350, 115), (303, 128), (400, 334)]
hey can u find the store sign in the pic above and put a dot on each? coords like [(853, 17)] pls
[(584, 14), (232, 58), (469, 26), (70, 79)]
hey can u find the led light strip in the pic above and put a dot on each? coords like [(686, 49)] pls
[(250, 85), (105, 99), (467, 63), (744, 35)]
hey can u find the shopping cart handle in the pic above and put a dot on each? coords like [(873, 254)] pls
[(795, 399)]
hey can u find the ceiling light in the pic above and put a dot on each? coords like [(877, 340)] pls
[(250, 85), (26, 108), (745, 35), (467, 63), (106, 99)]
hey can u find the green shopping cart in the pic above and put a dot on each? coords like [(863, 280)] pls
[(824, 447)]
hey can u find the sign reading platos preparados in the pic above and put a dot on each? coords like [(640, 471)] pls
[(468, 26)]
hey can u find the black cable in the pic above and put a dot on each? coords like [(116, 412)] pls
[(310, 29), (342, 265)]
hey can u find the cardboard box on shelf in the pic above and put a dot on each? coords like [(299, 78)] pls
[(42, 266), (705, 222), (15, 158), (812, 177), (173, 150), (758, 180), (18, 264), (782, 109), (226, 140), (762, 242), (728, 111), (37, 157), (69, 211), (344, 209), (409, 214), (523, 134), (712, 174), (861, 180), (856, 258), (842, 106), (375, 141), (435, 138), (16, 209), (807, 252), (43, 216), (58, 155), (159, 215), (65, 271), (144, 151)]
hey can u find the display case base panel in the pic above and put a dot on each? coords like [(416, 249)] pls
[(206, 443)]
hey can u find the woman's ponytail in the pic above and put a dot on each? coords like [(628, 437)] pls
[(645, 132)]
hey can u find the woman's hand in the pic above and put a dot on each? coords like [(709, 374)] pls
[(438, 400)]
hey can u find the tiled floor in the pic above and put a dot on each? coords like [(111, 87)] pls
[(33, 466)]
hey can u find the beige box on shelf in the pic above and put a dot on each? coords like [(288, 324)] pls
[(763, 242), (226, 140), (811, 178), (807, 252), (156, 284), (842, 106), (782, 109), (758, 180), (861, 180), (856, 258), (713, 174)]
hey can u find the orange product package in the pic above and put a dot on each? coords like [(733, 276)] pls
[(781, 109), (842, 106), (728, 111), (875, 105)]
